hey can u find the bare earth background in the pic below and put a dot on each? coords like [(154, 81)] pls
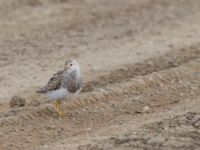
[(141, 64)]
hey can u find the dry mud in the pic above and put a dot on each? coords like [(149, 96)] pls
[(141, 63)]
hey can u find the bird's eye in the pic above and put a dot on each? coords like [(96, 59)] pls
[(71, 64)]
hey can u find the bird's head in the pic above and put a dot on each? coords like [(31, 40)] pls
[(71, 65)]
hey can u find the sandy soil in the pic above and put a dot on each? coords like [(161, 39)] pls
[(141, 64)]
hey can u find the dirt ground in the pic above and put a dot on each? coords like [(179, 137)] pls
[(141, 65)]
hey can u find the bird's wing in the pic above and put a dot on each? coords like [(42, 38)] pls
[(53, 83)]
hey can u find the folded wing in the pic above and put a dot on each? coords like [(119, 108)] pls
[(53, 83)]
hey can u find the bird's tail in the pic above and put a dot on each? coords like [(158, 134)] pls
[(42, 90)]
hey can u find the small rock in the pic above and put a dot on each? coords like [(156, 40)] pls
[(34, 103), (146, 109), (159, 139), (17, 101)]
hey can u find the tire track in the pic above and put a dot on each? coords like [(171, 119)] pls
[(172, 59)]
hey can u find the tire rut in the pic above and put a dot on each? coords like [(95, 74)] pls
[(172, 59)]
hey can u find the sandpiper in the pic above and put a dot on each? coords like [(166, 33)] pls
[(63, 85)]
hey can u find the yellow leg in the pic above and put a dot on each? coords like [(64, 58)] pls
[(61, 111), (58, 108)]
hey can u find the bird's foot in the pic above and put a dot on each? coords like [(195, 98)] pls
[(61, 113)]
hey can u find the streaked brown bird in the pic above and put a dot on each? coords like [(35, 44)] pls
[(63, 85)]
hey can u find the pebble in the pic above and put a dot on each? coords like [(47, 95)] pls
[(146, 109), (17, 101)]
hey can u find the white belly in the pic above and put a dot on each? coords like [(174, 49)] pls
[(59, 94)]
